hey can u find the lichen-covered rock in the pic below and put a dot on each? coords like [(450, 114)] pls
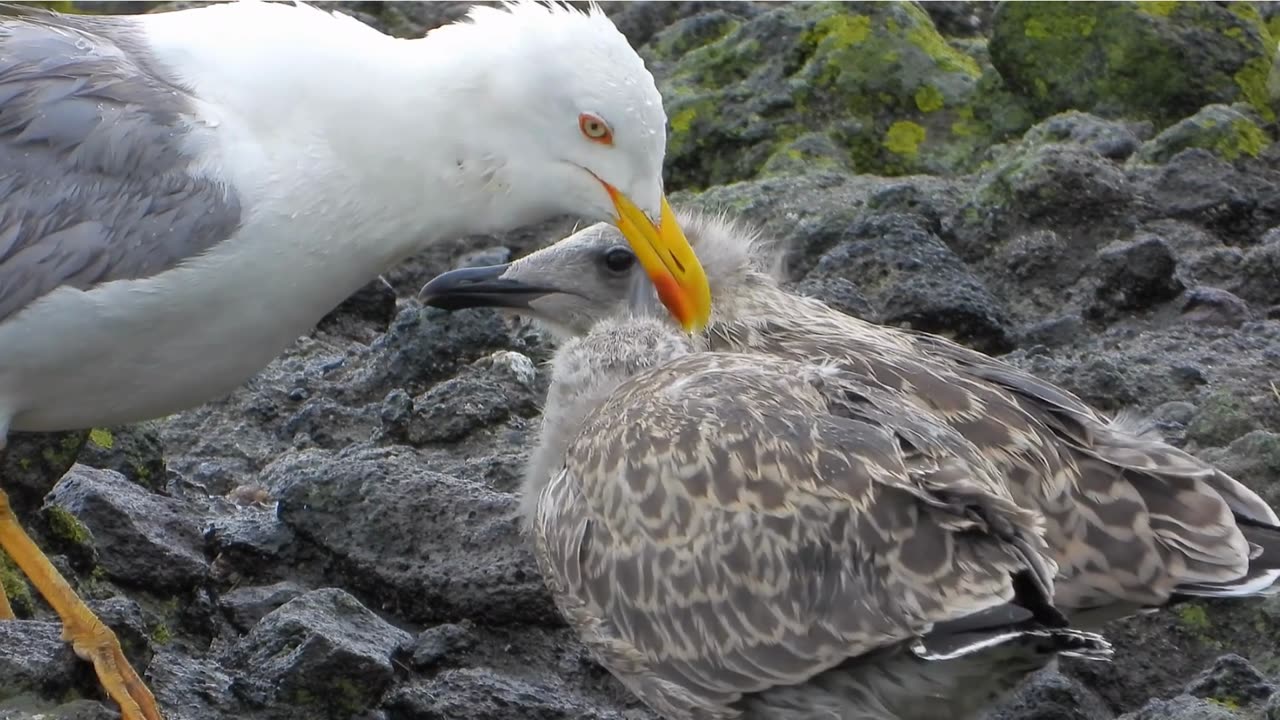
[(1112, 139), (134, 451), (1160, 61), (1230, 132), (138, 538), (870, 87), (1183, 707)]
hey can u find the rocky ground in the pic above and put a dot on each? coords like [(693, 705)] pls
[(1090, 190)]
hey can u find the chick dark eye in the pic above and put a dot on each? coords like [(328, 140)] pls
[(619, 260)]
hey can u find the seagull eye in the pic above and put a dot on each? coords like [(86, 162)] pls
[(595, 129), (619, 260)]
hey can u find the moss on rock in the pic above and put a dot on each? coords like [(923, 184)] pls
[(876, 79), (15, 587), (1228, 132), (1160, 61)]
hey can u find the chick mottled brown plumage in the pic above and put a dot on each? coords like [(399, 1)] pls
[(1131, 521), (738, 535)]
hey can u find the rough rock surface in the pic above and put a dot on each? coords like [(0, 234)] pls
[(339, 537)]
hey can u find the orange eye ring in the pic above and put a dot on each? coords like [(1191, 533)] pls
[(595, 129)]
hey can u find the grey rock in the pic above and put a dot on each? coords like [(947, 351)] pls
[(1261, 273), (245, 606), (1134, 275), (27, 709), (1111, 139), (1048, 695), (424, 345), (435, 547), (1231, 679), (36, 661), (488, 392), (1213, 306), (840, 294), (479, 694), (917, 281), (1183, 707), (249, 543), (322, 653), (1236, 203), (141, 539), (434, 645), (1253, 459)]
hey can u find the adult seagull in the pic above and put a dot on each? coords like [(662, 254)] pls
[(183, 194)]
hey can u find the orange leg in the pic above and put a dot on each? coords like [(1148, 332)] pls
[(91, 639)]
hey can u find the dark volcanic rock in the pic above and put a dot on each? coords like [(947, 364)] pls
[(1182, 707), (433, 547), (489, 391), (1135, 275), (1048, 695), (245, 606), (424, 345), (917, 281), (322, 653), (141, 539), (36, 660), (434, 645), (473, 694), (1232, 680), (134, 451)]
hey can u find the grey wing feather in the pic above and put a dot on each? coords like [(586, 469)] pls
[(763, 523), (94, 183)]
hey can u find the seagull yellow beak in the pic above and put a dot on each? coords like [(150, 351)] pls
[(665, 254)]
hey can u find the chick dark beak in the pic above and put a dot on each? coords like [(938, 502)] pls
[(480, 287)]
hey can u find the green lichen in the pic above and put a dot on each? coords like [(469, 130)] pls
[(1252, 81), (904, 138), (102, 438), (161, 634), (66, 527), (1227, 703), (929, 99), (1050, 53), (15, 586), (839, 32), (1193, 617), (683, 120), (925, 36), (1226, 131), (1159, 8)]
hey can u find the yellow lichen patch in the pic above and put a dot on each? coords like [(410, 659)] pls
[(1161, 8), (904, 138), (1252, 81), (842, 31), (1193, 617), (683, 120), (102, 437), (929, 99), (1064, 26)]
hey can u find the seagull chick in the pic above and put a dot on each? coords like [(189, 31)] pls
[(740, 535)]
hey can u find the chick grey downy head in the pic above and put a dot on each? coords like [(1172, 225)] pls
[(593, 274)]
